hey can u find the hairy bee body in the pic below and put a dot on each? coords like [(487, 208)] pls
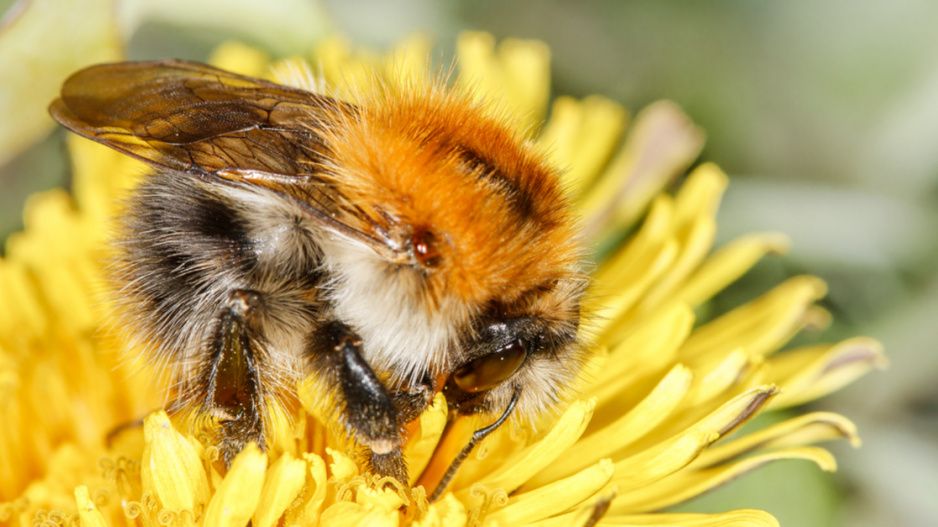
[(403, 245), (180, 260)]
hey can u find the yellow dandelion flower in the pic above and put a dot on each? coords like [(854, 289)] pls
[(652, 426)]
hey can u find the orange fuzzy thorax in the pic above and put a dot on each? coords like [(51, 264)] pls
[(434, 161)]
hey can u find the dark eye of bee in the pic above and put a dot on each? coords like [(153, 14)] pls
[(489, 371)]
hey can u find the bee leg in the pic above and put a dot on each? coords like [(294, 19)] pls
[(233, 393), (412, 402), (368, 412), (409, 405)]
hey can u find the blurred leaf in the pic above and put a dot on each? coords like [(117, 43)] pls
[(41, 43)]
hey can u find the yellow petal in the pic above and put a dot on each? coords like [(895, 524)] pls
[(236, 498), (446, 512), (240, 58), (798, 431), (526, 68), (727, 264), (760, 326), (581, 515), (558, 496), (351, 514), (739, 518), (88, 514), (688, 484), (667, 456), (616, 318), (308, 510), (812, 372), (329, 55), (699, 196), (713, 378), (518, 73), (477, 66), (517, 469), (650, 348), (695, 242), (647, 414), (419, 450), (102, 178), (284, 481), (171, 469), (661, 143), (655, 230), (342, 466), (23, 314), (581, 136)]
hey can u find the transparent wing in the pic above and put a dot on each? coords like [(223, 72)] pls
[(219, 126)]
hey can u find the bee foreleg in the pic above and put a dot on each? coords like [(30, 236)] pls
[(233, 394), (366, 407), (409, 404)]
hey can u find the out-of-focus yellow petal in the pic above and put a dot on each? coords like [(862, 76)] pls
[(54, 237), (409, 61), (815, 371), (526, 67), (695, 242), (284, 481), (171, 470), (102, 178), (348, 71), (699, 196), (581, 137), (517, 73), (687, 484), (661, 143), (738, 518), (236, 499), (615, 315), (620, 268), (88, 514), (240, 58)]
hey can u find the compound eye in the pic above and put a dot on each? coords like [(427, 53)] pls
[(489, 371)]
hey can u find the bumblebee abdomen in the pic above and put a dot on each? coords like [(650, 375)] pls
[(185, 246)]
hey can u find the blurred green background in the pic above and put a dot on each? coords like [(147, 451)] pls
[(824, 113)]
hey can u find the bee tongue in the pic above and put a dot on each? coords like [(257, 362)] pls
[(477, 436)]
